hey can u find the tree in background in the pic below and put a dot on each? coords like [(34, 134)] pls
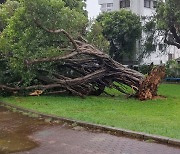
[(121, 29), (95, 37), (168, 20), (163, 28)]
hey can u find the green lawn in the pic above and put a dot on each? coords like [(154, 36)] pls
[(161, 117)]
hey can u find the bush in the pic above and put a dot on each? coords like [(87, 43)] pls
[(173, 69)]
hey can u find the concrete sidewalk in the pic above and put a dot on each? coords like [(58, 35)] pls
[(59, 140), (23, 135)]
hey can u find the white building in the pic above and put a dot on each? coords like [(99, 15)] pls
[(141, 8)]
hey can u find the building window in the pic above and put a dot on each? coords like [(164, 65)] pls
[(124, 3), (108, 10), (147, 3), (109, 4), (153, 47), (103, 5), (170, 56), (161, 46), (154, 4)]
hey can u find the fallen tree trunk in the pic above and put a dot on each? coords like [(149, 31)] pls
[(88, 71)]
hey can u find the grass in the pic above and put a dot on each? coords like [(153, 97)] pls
[(160, 117)]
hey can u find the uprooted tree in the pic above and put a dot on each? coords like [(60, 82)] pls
[(36, 58)]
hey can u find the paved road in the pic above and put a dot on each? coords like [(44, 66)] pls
[(43, 138)]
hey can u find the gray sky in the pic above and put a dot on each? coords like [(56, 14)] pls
[(93, 8)]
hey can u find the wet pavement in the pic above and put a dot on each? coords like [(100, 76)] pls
[(23, 135), (15, 129)]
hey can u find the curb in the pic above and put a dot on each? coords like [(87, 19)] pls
[(111, 130)]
